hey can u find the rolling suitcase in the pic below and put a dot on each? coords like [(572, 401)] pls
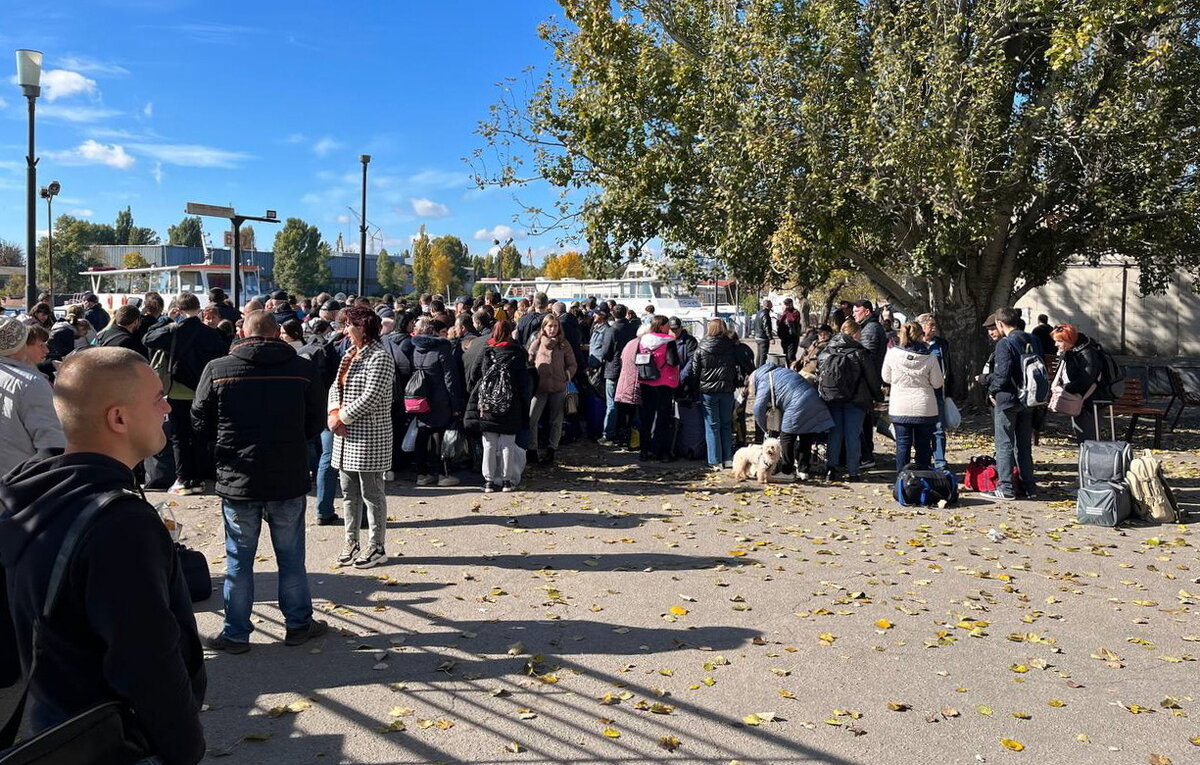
[(1103, 461), (1105, 503)]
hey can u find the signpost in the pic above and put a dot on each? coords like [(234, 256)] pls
[(235, 255)]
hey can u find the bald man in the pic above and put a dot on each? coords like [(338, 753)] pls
[(122, 628)]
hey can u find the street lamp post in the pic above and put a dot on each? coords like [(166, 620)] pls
[(29, 77), (497, 252), (362, 231), (48, 193)]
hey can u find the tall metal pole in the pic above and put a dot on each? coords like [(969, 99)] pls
[(31, 217), (362, 232), (50, 248), (235, 259)]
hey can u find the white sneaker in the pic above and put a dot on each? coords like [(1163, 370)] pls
[(425, 480), (447, 480), (372, 556), (802, 476), (389, 476)]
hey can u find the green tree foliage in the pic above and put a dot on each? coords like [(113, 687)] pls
[(385, 272), (510, 261), (124, 232), (421, 260), (14, 286), (957, 154), (186, 233), (71, 254), (301, 258)]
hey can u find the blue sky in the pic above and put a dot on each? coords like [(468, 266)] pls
[(267, 105)]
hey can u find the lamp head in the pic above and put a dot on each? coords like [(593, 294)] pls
[(364, 158), (29, 71), (54, 188)]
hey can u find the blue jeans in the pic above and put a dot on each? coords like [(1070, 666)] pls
[(718, 424), (610, 410), (243, 523), (909, 435), (847, 433), (327, 476), (939, 434), (1014, 444)]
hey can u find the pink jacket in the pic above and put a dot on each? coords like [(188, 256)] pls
[(656, 345), (627, 384)]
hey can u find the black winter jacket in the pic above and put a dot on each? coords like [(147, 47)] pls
[(195, 345), (875, 340), (1083, 366), (870, 383), (260, 405), (1006, 372), (718, 366), (118, 336), (623, 330), (512, 356), (97, 317), (123, 628), (444, 376), (61, 342)]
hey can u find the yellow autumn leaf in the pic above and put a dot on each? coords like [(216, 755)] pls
[(984, 709), (395, 726), (786, 694), (1019, 668), (679, 610), (1022, 715), (826, 638), (1056, 703), (670, 743), (884, 624), (611, 733), (1012, 744)]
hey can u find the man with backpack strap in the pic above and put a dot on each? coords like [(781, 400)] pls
[(122, 629), (1014, 407)]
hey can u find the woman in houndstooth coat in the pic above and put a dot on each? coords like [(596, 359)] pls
[(360, 417)]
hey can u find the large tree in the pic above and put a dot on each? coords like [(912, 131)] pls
[(71, 253), (11, 253), (186, 233), (385, 272), (421, 261), (459, 257), (301, 258), (957, 153)]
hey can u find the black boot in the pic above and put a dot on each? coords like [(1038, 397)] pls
[(548, 461)]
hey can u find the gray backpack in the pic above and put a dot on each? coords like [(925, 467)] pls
[(1102, 461), (1103, 504)]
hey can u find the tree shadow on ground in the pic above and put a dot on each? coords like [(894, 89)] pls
[(535, 520), (466, 671)]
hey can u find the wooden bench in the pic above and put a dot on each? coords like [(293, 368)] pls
[(1180, 393), (1133, 405)]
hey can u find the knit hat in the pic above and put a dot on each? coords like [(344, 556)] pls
[(12, 335)]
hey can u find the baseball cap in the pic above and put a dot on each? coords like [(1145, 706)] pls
[(331, 305), (89, 297)]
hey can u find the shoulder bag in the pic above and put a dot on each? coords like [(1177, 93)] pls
[(774, 413), (106, 733)]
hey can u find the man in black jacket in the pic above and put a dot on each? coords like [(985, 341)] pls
[(531, 322), (764, 333), (123, 628), (190, 344), (1012, 420), (218, 299), (874, 339), (126, 319), (261, 405), (94, 313)]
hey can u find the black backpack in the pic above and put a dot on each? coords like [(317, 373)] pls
[(416, 393), (921, 486), (495, 387), (1111, 385), (839, 376)]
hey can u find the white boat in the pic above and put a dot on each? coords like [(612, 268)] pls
[(636, 290), (116, 287)]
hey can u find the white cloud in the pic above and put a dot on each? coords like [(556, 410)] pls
[(157, 173), (63, 83), (190, 155), (500, 232), (324, 146), (95, 153), (81, 212), (294, 138), (148, 110), (77, 113), (343, 218), (427, 208), (92, 66), (3, 103)]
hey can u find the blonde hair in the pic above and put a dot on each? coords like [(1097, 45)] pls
[(850, 327), (716, 328), (910, 332)]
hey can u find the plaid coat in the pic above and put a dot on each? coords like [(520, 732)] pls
[(365, 402)]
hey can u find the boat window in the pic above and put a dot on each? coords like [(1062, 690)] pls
[(250, 282), (190, 281), (218, 279), (164, 283), (139, 282)]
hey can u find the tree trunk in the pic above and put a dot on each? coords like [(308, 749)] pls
[(962, 325)]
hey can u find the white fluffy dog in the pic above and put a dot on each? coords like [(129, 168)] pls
[(757, 460)]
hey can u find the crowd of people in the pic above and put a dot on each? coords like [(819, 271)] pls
[(264, 401)]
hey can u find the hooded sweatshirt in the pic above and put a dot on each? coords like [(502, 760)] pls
[(123, 627), (660, 347), (915, 376)]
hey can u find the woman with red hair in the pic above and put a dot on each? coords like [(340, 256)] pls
[(1079, 370)]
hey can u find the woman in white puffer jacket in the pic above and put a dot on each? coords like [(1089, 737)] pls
[(915, 376)]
